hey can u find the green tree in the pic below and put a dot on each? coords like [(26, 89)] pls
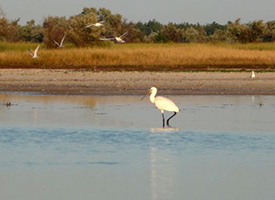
[(135, 34), (218, 36), (211, 28), (113, 25), (8, 29), (152, 26), (191, 35), (12, 31), (202, 34), (3, 28), (151, 38), (141, 26), (172, 33), (257, 29), (269, 33), (239, 32), (161, 38), (30, 32), (3, 25), (79, 34)]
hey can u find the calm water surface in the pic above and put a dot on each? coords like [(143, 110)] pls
[(113, 147)]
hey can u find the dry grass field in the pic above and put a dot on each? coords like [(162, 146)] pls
[(144, 57)]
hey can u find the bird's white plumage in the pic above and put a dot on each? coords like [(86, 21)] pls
[(34, 55), (56, 42), (124, 35), (162, 103), (252, 74), (31, 53), (35, 51), (117, 39), (98, 24), (61, 43)]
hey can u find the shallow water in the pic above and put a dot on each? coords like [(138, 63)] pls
[(114, 147)]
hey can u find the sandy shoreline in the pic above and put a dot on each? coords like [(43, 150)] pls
[(72, 82)]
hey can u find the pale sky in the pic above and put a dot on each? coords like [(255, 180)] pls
[(192, 11)]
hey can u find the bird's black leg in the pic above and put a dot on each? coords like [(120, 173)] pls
[(170, 118), (163, 120)]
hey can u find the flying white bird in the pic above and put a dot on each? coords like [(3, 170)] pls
[(98, 24), (163, 104), (61, 43), (253, 75), (34, 55), (117, 39)]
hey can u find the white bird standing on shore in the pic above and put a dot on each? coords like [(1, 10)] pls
[(163, 104), (61, 43), (98, 24), (253, 75), (34, 55)]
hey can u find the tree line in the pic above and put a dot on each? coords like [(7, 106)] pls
[(54, 28)]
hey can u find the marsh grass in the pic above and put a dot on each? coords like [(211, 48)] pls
[(141, 57), (251, 46), (23, 46)]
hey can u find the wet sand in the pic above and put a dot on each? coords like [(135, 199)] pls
[(72, 82)]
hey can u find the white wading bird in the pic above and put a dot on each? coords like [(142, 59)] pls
[(163, 104), (61, 43), (98, 24), (117, 39), (34, 55), (253, 75)]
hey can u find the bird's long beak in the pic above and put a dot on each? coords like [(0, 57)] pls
[(145, 95)]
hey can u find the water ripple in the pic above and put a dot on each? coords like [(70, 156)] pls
[(76, 146)]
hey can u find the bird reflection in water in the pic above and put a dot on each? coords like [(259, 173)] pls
[(164, 129)]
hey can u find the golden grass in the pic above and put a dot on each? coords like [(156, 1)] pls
[(144, 57)]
